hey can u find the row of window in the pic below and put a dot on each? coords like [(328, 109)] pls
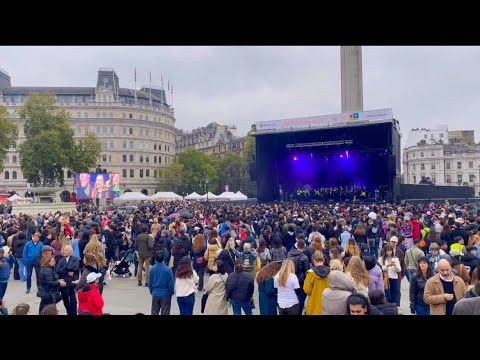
[(105, 130), (422, 154), (145, 146), (14, 159), (448, 179), (110, 115), (141, 173), (447, 165), (432, 136), (7, 175), (131, 158)]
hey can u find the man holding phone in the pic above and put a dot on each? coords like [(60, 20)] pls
[(443, 290)]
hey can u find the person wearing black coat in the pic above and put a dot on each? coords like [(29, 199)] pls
[(240, 289), (417, 287), (68, 269), (49, 289), (18, 245), (228, 256)]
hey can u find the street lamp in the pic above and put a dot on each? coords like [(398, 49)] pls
[(206, 186)]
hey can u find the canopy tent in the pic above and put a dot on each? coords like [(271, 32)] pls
[(14, 197), (226, 195), (166, 195), (210, 196), (132, 196), (193, 196), (239, 196)]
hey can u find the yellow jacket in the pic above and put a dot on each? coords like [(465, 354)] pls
[(315, 282)]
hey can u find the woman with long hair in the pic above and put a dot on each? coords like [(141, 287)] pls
[(445, 234), (228, 256), (360, 233), (186, 280), (217, 289), (316, 245), (49, 289), (417, 287), (391, 265), (263, 253), (212, 249), (351, 249), (266, 290), (357, 271), (178, 252), (288, 287), (199, 261), (278, 251), (92, 264)]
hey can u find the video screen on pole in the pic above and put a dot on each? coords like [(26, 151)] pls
[(97, 185)]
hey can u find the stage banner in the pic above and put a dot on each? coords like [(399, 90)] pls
[(324, 120)]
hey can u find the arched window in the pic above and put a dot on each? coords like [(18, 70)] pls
[(14, 159), (14, 175), (7, 175)]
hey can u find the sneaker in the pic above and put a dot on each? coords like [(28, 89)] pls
[(28, 291), (139, 283)]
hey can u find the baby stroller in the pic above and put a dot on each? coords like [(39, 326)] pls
[(122, 267)]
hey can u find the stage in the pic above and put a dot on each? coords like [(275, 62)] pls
[(339, 156)]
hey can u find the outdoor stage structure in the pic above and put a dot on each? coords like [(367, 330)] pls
[(359, 149)]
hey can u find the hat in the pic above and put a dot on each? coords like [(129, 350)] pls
[(196, 228), (93, 276), (429, 213), (424, 259), (46, 248), (455, 253), (406, 218), (394, 239)]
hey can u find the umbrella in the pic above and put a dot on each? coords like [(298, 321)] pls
[(174, 215), (187, 215), (183, 211)]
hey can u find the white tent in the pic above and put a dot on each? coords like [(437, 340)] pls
[(239, 196), (193, 196), (226, 195), (14, 197), (166, 195), (210, 196), (133, 196)]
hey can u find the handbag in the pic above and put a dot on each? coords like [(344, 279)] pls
[(56, 296), (201, 261)]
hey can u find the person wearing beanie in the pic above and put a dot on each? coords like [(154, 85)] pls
[(417, 287)]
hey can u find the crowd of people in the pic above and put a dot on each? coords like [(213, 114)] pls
[(335, 259)]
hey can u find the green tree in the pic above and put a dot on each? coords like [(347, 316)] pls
[(8, 134), (85, 154), (231, 169), (49, 146), (188, 173)]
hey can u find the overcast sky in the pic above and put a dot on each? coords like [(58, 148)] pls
[(425, 86)]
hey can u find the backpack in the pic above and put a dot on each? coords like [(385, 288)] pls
[(247, 261)]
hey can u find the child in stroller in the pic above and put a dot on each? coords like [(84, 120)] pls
[(122, 267)]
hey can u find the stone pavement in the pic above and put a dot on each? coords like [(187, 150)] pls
[(123, 296)]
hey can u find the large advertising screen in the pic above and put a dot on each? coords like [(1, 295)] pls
[(97, 185)]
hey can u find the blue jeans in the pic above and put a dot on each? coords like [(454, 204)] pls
[(238, 306), (185, 304), (21, 269), (422, 309), (393, 294), (3, 289), (29, 275)]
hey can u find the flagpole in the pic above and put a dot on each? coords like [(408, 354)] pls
[(150, 88), (135, 80), (172, 95)]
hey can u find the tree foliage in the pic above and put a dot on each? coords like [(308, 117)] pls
[(49, 147), (8, 134), (231, 169)]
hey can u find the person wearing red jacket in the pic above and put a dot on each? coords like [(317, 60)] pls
[(416, 233), (89, 298)]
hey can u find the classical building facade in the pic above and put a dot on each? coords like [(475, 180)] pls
[(446, 164), (136, 128)]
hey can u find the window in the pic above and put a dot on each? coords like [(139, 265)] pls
[(124, 144), (132, 173), (441, 135), (146, 117), (154, 159), (141, 158), (154, 146), (166, 160), (124, 173), (471, 178), (414, 179), (459, 165), (14, 159), (141, 132), (425, 136), (459, 179), (123, 116), (104, 114), (432, 154), (109, 158), (422, 166), (141, 118), (130, 131), (79, 114), (124, 130), (413, 154), (165, 147), (470, 164), (104, 144), (146, 131), (147, 172), (111, 115), (431, 136), (155, 173), (7, 175), (449, 179), (112, 144), (130, 116), (140, 145), (433, 167), (98, 130), (98, 115), (141, 173), (124, 158), (105, 130), (85, 114), (421, 154), (413, 166), (147, 146), (14, 175), (159, 159), (79, 130), (111, 129), (104, 158), (147, 159), (131, 144), (131, 158), (448, 165)]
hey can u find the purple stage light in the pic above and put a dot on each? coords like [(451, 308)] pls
[(295, 158), (346, 152), (341, 156)]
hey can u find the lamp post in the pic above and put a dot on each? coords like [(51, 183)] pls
[(479, 179), (206, 186)]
